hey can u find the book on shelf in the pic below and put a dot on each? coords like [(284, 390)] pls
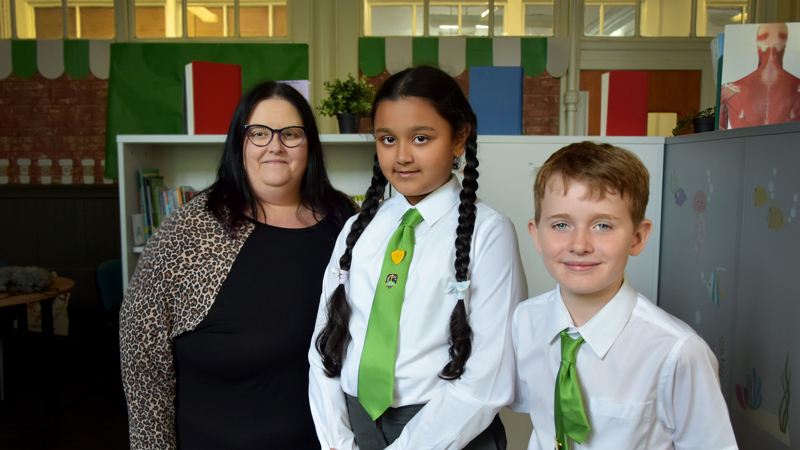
[(211, 93), (157, 201)]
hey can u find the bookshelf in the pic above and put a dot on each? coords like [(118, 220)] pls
[(192, 160)]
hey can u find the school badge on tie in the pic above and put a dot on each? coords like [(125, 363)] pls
[(398, 256), (391, 280)]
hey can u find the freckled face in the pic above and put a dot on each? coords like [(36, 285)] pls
[(585, 242), (415, 146)]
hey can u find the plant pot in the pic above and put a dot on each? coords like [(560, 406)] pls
[(348, 123), (703, 124)]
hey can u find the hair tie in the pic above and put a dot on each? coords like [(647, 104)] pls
[(341, 274), (460, 288)]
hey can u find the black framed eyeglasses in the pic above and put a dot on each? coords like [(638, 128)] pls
[(261, 135)]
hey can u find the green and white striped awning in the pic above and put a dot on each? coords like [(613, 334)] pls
[(53, 57), (456, 54)]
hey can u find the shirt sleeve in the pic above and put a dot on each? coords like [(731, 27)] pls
[(148, 375), (691, 405), (328, 407), (466, 407)]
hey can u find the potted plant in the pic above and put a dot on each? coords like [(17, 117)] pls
[(347, 100), (697, 122)]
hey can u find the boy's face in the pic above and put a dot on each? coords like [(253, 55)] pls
[(585, 242)]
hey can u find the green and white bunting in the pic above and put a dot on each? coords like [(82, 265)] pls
[(454, 55), (53, 57)]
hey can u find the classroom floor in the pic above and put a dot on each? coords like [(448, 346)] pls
[(90, 411)]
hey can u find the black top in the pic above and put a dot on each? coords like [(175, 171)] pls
[(242, 374)]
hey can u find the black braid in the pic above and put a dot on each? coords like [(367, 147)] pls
[(332, 341), (460, 338)]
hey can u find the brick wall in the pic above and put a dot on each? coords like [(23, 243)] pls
[(61, 120), (539, 105)]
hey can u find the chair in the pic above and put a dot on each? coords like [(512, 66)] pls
[(109, 281)]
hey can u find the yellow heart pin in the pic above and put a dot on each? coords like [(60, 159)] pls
[(398, 256)]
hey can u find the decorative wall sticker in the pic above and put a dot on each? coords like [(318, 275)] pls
[(676, 189), (710, 187), (749, 398), (699, 206), (760, 196), (754, 389), (783, 410), (775, 220), (714, 285)]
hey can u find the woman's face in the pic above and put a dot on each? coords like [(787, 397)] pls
[(275, 169)]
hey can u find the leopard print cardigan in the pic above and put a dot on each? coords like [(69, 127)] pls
[(176, 281)]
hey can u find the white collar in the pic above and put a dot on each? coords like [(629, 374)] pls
[(602, 330), (434, 205)]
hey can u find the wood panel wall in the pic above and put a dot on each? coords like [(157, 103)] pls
[(66, 229)]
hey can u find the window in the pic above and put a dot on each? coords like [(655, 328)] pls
[(458, 18), (713, 15), (43, 19), (609, 19), (661, 18), (94, 19), (164, 18)]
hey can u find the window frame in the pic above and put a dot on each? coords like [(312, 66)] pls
[(125, 21), (366, 6), (749, 11)]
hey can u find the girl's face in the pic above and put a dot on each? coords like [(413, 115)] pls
[(415, 146)]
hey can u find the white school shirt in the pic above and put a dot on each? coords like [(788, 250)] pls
[(455, 411), (648, 381)]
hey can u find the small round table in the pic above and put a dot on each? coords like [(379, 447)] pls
[(59, 285)]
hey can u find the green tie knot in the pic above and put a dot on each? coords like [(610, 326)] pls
[(411, 218), (569, 347)]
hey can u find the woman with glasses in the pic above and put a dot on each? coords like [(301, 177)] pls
[(216, 322)]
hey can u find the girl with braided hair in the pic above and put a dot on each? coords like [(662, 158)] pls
[(412, 343)]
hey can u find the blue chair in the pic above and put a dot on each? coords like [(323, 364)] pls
[(109, 281), (3, 264)]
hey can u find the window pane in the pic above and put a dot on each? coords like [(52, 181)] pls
[(279, 20), (604, 20), (206, 21), (393, 20), (49, 23), (254, 21), (159, 18), (419, 26), (475, 20), (539, 20), (443, 21), (91, 22), (666, 17), (711, 20), (259, 19), (5, 19), (499, 21)]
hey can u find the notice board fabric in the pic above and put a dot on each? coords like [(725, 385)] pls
[(145, 89), (495, 94), (627, 103)]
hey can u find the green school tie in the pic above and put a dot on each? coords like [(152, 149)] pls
[(571, 422), (376, 371)]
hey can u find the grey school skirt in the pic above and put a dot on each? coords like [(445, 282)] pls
[(378, 434)]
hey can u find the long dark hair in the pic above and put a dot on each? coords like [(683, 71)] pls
[(231, 197), (444, 94)]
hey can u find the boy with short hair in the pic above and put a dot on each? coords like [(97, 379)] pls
[(627, 375)]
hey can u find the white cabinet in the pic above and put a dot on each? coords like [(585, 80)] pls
[(192, 160)]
